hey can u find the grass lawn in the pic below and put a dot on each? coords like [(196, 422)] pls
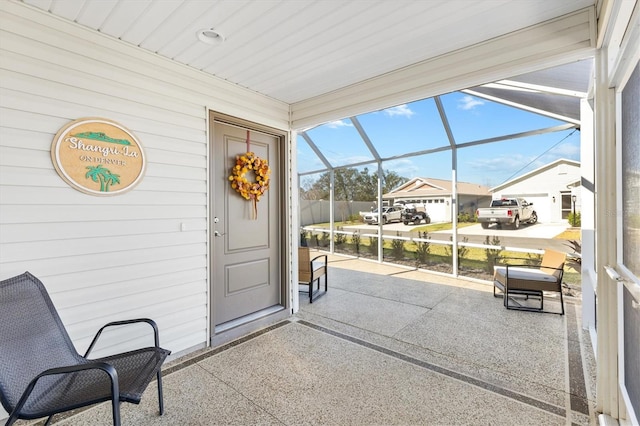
[(570, 234)]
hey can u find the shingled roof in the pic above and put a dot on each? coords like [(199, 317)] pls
[(428, 187)]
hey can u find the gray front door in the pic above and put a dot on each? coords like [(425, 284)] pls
[(245, 242)]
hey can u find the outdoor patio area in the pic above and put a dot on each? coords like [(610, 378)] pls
[(385, 346)]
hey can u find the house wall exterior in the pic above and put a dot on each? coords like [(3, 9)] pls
[(545, 190), (143, 253)]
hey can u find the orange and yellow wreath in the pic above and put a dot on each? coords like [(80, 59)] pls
[(250, 190)]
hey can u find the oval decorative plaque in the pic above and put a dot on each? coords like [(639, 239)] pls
[(98, 156)]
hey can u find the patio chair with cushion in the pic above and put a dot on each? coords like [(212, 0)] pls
[(311, 270), (42, 374), (530, 281)]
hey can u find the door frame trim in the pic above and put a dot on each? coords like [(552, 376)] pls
[(253, 322)]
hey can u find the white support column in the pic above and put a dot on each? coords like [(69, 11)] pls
[(380, 222), (607, 397), (454, 208), (294, 206), (588, 218), (332, 206)]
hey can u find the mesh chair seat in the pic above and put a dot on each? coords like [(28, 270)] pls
[(42, 374)]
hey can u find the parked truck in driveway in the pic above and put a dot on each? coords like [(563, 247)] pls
[(507, 211)]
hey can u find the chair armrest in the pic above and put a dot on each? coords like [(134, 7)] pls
[(324, 266), (318, 257), (522, 265), (533, 267), (107, 368), (152, 323)]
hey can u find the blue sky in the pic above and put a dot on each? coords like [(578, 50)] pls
[(417, 126)]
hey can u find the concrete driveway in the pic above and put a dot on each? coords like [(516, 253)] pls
[(539, 230)]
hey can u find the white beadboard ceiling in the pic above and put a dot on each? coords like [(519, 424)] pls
[(294, 50)]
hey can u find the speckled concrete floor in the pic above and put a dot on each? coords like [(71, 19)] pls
[(385, 346)]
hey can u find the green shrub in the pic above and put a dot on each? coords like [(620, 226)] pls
[(340, 239), (423, 248), (462, 250), (324, 239), (574, 219), (303, 238), (355, 218), (355, 240), (466, 217), (397, 248), (493, 256), (373, 245)]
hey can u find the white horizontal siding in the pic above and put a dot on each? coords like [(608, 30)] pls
[(140, 254)]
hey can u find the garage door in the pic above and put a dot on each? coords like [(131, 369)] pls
[(542, 207), (438, 212)]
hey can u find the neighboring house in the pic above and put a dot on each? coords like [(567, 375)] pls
[(550, 188), (437, 194)]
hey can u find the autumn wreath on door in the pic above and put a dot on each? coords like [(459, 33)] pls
[(249, 163)]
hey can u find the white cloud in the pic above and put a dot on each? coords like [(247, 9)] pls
[(339, 159), (401, 110), (504, 164), (469, 102), (338, 123), (404, 167), (566, 150)]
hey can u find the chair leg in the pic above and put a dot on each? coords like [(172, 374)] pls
[(116, 411), (561, 301), (115, 400), (160, 398)]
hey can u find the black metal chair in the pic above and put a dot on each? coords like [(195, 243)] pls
[(42, 374)]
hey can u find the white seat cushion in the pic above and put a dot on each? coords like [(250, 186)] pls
[(530, 274)]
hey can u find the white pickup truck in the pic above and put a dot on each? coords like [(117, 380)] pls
[(507, 211)]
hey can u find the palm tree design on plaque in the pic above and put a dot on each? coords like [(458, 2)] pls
[(102, 175)]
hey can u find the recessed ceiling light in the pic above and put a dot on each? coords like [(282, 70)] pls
[(210, 36)]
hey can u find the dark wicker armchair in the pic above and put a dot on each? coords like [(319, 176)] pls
[(42, 374)]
